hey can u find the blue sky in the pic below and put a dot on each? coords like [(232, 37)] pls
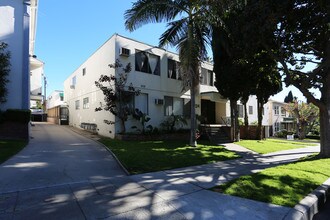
[(69, 31)]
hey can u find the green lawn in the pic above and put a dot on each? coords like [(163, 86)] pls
[(284, 185), (272, 145), (9, 148), (150, 156)]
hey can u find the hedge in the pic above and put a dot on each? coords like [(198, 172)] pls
[(17, 115)]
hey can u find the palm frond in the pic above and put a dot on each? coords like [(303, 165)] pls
[(152, 11), (176, 30)]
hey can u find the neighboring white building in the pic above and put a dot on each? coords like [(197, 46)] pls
[(154, 73), (274, 115), (55, 99), (18, 28), (279, 118)]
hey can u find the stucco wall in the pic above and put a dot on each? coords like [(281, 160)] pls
[(12, 33)]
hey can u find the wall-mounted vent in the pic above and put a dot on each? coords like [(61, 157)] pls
[(159, 101), (124, 52)]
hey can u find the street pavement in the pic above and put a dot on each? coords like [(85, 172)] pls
[(63, 175)]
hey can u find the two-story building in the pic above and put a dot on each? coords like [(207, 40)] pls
[(154, 72)]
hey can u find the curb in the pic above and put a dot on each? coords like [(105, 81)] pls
[(114, 156), (310, 205)]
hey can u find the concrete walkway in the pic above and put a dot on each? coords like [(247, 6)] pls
[(62, 175)]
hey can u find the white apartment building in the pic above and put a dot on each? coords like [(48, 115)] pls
[(18, 30), (154, 73)]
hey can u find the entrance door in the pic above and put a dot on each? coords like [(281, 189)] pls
[(208, 112)]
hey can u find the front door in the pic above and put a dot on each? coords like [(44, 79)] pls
[(208, 112)]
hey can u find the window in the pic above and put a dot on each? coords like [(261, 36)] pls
[(77, 104), (173, 105), (86, 103), (74, 81), (173, 69), (276, 110), (141, 102), (283, 112), (147, 62), (263, 111), (240, 111), (207, 77), (84, 71), (250, 110), (61, 96), (276, 126)]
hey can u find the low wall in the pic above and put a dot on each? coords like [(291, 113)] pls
[(160, 137), (251, 132)]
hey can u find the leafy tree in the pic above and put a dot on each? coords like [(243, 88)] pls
[(267, 82), (306, 115), (241, 71), (187, 30), (117, 95), (289, 98), (228, 66), (296, 33), (4, 71)]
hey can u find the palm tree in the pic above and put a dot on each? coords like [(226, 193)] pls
[(187, 30)]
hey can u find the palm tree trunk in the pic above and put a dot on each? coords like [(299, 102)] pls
[(193, 142)]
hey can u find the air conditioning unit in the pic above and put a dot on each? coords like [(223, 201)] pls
[(72, 87), (159, 101), (124, 52)]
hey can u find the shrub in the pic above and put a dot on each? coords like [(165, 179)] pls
[(282, 133), (315, 137), (17, 115)]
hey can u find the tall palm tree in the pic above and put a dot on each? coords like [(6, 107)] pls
[(187, 30)]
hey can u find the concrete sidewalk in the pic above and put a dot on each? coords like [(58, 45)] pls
[(186, 187), (62, 175)]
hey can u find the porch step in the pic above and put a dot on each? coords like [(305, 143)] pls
[(216, 135)]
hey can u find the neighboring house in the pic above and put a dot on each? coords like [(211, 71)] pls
[(154, 72), (274, 115), (57, 110), (18, 29), (279, 118), (55, 99)]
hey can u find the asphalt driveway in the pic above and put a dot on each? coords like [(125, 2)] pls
[(56, 155)]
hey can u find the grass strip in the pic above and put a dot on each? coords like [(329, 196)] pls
[(272, 145), (151, 156), (284, 185), (8, 148)]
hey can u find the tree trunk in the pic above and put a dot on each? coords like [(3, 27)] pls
[(193, 142), (259, 127), (123, 127), (246, 121), (234, 120), (325, 130)]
